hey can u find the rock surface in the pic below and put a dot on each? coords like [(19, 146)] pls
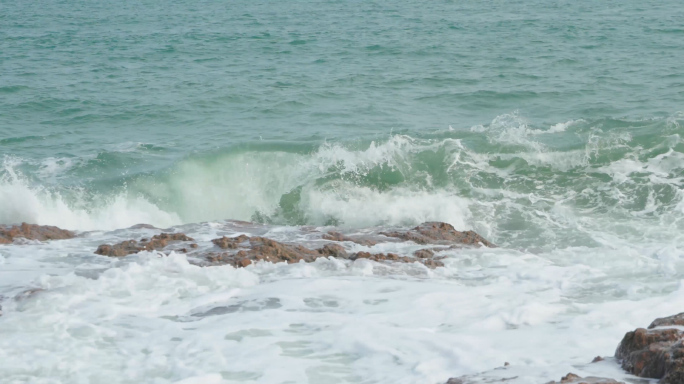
[(441, 234), (33, 232), (243, 250), (128, 247), (656, 352)]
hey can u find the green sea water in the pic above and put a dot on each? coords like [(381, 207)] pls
[(516, 118)]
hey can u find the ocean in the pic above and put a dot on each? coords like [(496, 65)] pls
[(554, 129)]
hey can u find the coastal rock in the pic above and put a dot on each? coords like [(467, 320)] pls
[(243, 250), (439, 233), (230, 242), (129, 247), (571, 378), (656, 352), (33, 232)]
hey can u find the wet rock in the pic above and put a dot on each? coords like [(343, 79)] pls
[(424, 253), (656, 352), (33, 232), (162, 240), (121, 249), (439, 233), (571, 378), (394, 257), (129, 247), (676, 320), (337, 236), (262, 248), (242, 251), (230, 242), (334, 250)]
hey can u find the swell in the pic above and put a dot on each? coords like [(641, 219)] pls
[(576, 183)]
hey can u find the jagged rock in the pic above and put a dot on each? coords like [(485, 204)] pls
[(230, 242), (243, 250), (252, 249), (262, 248), (33, 232), (656, 352), (571, 378), (439, 233), (337, 236), (129, 247)]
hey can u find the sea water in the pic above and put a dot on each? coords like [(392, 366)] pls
[(553, 129)]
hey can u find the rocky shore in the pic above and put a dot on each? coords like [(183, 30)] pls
[(655, 352)]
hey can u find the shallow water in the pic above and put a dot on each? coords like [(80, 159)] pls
[(552, 129)]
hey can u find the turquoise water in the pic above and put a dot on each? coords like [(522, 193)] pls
[(342, 112)]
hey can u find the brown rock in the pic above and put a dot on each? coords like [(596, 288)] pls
[(162, 240), (571, 378), (657, 352), (668, 321), (121, 249), (230, 242), (260, 248), (33, 232), (334, 250), (129, 247), (394, 257), (439, 233)]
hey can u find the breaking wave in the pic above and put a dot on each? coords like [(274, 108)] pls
[(578, 183)]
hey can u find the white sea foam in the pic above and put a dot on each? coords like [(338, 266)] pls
[(159, 319), (20, 202)]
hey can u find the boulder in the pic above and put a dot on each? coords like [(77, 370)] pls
[(33, 232), (656, 352), (439, 233)]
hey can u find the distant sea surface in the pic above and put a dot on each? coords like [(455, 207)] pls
[(552, 128)]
